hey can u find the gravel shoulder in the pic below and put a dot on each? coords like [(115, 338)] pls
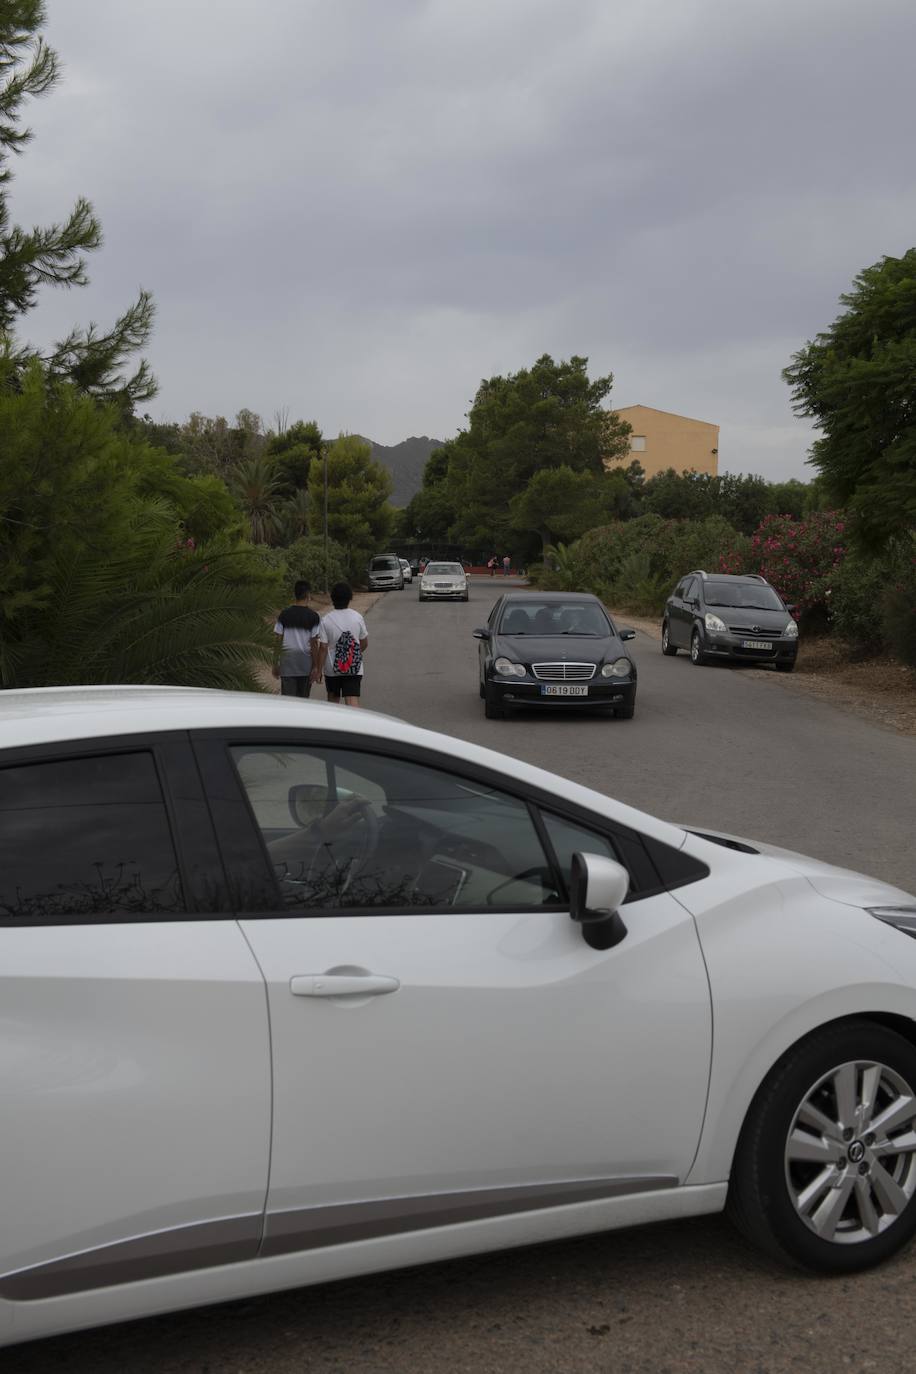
[(879, 689)]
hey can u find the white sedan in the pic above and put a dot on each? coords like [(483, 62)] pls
[(443, 582), (291, 994)]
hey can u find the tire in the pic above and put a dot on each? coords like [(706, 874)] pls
[(697, 656), (668, 649), (421, 597), (481, 689), (625, 712), (869, 1204), (786, 667), (491, 707), (465, 597)]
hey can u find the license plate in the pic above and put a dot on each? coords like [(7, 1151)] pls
[(756, 644), (564, 691)]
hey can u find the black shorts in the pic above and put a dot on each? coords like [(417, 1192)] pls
[(295, 686), (344, 686)]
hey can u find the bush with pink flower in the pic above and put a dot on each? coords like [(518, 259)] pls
[(800, 557)]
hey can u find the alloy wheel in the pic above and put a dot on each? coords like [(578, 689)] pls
[(850, 1155)]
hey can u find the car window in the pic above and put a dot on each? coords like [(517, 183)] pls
[(691, 589), (582, 618), (85, 838), (384, 565), (751, 596), (349, 830), (445, 569)]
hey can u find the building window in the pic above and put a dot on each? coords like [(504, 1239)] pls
[(637, 443)]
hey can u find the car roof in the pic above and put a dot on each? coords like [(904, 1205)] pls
[(50, 715), (523, 598)]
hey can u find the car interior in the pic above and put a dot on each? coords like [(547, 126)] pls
[(347, 830), (555, 619)]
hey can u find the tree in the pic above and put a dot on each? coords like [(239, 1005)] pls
[(857, 381), (55, 255), (293, 451), (257, 491), (359, 513), (560, 504), (98, 581), (550, 415)]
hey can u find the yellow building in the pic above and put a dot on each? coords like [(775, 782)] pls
[(661, 440)]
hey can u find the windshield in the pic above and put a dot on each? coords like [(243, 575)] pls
[(751, 596), (384, 565), (555, 618), (444, 570)]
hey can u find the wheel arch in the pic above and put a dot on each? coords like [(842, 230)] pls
[(730, 1104)]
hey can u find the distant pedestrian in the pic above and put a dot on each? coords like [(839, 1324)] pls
[(297, 651), (491, 564), (344, 638), (507, 564)]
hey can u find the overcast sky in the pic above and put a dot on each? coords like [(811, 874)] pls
[(356, 209)]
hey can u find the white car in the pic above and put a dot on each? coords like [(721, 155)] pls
[(406, 570), (291, 994), (443, 582)]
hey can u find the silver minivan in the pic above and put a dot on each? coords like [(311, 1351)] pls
[(386, 573)]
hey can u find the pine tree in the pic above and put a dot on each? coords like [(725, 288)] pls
[(92, 358)]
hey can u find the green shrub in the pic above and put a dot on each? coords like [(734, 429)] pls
[(855, 600), (898, 604), (637, 588), (303, 560)]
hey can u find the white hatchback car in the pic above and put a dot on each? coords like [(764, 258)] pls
[(290, 993)]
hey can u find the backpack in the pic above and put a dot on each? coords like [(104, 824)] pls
[(348, 656)]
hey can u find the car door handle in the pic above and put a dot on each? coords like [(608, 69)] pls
[(342, 984)]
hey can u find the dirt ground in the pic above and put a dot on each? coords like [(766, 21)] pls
[(881, 689)]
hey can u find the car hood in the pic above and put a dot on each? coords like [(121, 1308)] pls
[(745, 617), (556, 648), (839, 884)]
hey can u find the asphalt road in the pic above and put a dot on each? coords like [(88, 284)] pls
[(721, 747)]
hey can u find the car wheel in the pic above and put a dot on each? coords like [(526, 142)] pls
[(491, 707), (825, 1172), (421, 597), (465, 597), (697, 656), (667, 647), (785, 667), (625, 712), (482, 690)]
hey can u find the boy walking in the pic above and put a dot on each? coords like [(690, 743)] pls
[(297, 651), (344, 638)]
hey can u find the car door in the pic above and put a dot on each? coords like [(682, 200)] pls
[(134, 1051), (440, 1027), (680, 614)]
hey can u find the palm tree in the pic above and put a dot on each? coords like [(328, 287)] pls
[(256, 487), (157, 612)]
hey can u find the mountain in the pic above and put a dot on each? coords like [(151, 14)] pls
[(405, 462)]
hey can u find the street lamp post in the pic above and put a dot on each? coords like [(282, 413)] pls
[(327, 578)]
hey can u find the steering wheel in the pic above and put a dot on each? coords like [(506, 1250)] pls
[(303, 849)]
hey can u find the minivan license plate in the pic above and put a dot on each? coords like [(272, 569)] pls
[(756, 644), (564, 691)]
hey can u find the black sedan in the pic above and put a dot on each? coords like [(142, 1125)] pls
[(557, 649)]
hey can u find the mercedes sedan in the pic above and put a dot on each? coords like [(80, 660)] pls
[(557, 649), (291, 994), (443, 582)]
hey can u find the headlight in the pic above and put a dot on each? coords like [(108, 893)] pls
[(901, 917), (791, 630), (621, 667), (506, 668), (715, 623)]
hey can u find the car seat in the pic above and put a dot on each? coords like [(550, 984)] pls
[(517, 622)]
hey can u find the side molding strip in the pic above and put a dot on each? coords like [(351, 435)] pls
[(309, 1228), (198, 1246)]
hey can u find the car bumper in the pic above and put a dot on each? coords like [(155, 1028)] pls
[(605, 692), (387, 586), (453, 593), (732, 646)]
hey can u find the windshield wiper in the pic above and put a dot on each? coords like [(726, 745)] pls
[(755, 606), (582, 634)]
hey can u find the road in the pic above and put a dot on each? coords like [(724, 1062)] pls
[(720, 747)]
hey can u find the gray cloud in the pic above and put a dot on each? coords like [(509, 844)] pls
[(356, 209)]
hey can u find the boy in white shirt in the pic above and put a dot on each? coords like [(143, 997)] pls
[(343, 637)]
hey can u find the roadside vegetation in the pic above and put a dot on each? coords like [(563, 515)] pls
[(141, 551)]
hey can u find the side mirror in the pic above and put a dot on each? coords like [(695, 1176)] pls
[(791, 608), (307, 802), (626, 634), (597, 888), (481, 634)]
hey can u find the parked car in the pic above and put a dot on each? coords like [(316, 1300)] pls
[(718, 615), (443, 582), (386, 573), (406, 569), (557, 649), (197, 889)]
